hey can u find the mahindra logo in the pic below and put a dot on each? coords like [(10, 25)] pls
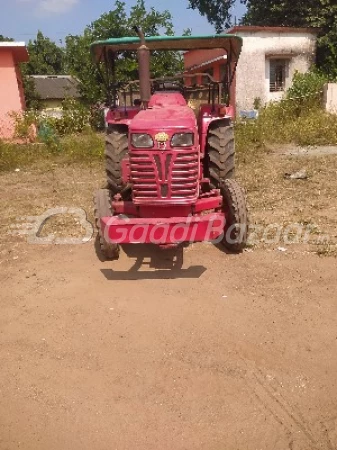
[(162, 137)]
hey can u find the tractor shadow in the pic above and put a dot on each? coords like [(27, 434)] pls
[(163, 264)]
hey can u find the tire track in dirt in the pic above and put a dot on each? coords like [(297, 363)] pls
[(288, 416)]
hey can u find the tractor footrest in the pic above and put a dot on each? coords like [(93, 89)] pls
[(173, 230)]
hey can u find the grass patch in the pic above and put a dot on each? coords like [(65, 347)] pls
[(297, 119), (279, 124), (86, 148), (327, 250), (272, 199)]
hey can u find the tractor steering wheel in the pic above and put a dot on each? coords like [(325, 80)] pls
[(168, 86)]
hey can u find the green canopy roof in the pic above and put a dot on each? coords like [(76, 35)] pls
[(229, 42)]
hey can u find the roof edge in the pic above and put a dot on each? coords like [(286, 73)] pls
[(19, 50), (253, 28), (229, 42)]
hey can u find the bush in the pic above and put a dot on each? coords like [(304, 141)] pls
[(74, 118), (298, 118), (306, 91), (316, 129), (307, 85), (97, 119), (24, 123)]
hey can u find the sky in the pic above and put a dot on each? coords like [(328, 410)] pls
[(21, 19)]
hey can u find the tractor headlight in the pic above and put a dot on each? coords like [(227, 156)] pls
[(182, 140), (141, 140)]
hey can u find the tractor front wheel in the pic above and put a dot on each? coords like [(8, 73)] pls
[(235, 209), (102, 208), (220, 153)]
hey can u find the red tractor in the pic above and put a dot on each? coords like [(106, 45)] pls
[(170, 169)]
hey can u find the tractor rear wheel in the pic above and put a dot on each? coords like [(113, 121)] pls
[(221, 152), (102, 208), (116, 149), (235, 209)]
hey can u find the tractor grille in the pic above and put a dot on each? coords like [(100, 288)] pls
[(169, 175)]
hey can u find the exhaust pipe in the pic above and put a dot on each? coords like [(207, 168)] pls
[(143, 56)]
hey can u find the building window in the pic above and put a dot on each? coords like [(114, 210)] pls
[(278, 70)]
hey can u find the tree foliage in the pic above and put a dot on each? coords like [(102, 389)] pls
[(45, 57), (113, 24), (217, 12), (321, 14), (5, 39)]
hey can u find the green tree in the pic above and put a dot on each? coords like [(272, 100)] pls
[(5, 39), (45, 57), (31, 96), (113, 24), (217, 12), (301, 13)]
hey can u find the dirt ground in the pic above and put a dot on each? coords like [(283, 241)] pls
[(194, 349)]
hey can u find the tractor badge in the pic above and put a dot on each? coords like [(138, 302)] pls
[(161, 137)]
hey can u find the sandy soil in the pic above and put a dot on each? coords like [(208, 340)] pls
[(220, 352), (186, 351)]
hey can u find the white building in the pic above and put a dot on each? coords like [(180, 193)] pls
[(270, 57)]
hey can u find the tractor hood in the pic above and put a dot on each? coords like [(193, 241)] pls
[(166, 110), (160, 118)]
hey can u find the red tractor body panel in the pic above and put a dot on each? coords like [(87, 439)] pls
[(163, 100), (157, 119), (165, 177), (163, 174), (202, 221), (165, 111), (121, 115), (213, 202), (172, 230)]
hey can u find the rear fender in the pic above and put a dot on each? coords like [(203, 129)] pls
[(121, 115)]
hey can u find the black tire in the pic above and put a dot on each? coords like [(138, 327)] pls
[(102, 208), (116, 149), (221, 154), (235, 208)]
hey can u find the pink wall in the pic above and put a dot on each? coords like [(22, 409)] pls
[(11, 91), (196, 57), (216, 66)]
